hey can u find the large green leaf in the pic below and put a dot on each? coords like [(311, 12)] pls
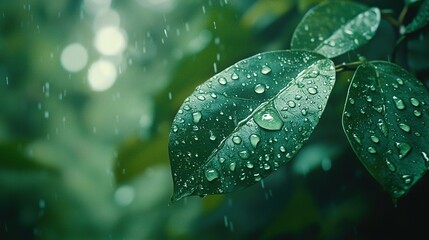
[(385, 119), (334, 28), (421, 19), (246, 121)]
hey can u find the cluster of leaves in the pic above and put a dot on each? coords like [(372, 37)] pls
[(248, 120)]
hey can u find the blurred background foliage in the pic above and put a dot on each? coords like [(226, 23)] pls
[(88, 90)]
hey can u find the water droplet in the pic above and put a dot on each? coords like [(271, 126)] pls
[(312, 90), (371, 150), (213, 95), (196, 116), (282, 149), (266, 166), (268, 119), (398, 103), (291, 104), (414, 102), (390, 165), (265, 69), (221, 160), (244, 154), (331, 43), (304, 112), (356, 138), (400, 81), (201, 98), (408, 179), (260, 88), (374, 139), (175, 128), (382, 126), (254, 140), (313, 74), (195, 128), (236, 139), (351, 101), (232, 166), (211, 174), (234, 76), (187, 107), (368, 98), (404, 127), (249, 165), (404, 149), (298, 97), (417, 113), (212, 137), (222, 81)]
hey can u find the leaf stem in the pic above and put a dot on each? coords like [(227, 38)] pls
[(387, 15), (351, 66)]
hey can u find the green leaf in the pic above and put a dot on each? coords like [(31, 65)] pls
[(246, 121), (385, 119), (334, 28), (421, 19)]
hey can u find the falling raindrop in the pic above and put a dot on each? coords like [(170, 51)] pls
[(398, 103), (260, 88), (254, 140), (403, 148), (265, 70), (211, 174), (196, 116)]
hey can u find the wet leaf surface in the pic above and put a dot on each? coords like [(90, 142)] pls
[(334, 28), (385, 119), (421, 19), (248, 120)]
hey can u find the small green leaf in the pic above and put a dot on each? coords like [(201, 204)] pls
[(421, 19), (334, 28), (246, 121), (385, 119)]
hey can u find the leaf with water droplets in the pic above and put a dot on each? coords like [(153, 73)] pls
[(334, 28), (389, 134), (421, 19), (265, 109)]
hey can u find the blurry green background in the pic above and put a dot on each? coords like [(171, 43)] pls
[(88, 90)]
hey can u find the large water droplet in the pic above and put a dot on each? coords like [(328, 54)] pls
[(414, 102), (312, 90), (260, 88), (196, 116), (249, 165), (403, 148), (268, 119), (291, 104), (371, 150), (374, 139), (222, 81), (254, 140), (211, 174), (404, 127), (390, 165), (232, 166), (244, 154), (236, 139), (398, 103), (265, 69)]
